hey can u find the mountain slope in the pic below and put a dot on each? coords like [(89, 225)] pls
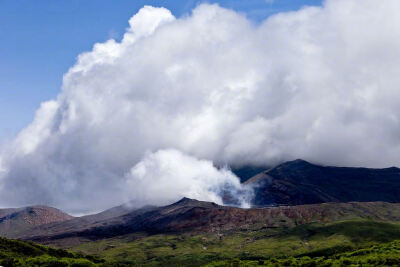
[(14, 221), (189, 215), (300, 182)]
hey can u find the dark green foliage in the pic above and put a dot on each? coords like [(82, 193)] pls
[(328, 251), (19, 253), (378, 255), (357, 231)]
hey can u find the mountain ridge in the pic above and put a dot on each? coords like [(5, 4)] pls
[(200, 216), (293, 193), (300, 182), (16, 220)]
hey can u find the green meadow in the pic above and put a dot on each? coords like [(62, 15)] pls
[(306, 244)]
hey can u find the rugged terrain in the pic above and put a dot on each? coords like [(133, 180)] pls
[(194, 233), (301, 210), (194, 216), (300, 182), (292, 183)]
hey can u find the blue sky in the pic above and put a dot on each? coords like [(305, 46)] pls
[(41, 39)]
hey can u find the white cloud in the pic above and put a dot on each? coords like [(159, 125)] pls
[(320, 83), (37, 132)]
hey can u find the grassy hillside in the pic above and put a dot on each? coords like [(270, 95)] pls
[(19, 253), (199, 249)]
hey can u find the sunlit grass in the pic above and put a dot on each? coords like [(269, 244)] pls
[(197, 249)]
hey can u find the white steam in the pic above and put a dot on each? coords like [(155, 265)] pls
[(321, 83), (168, 175)]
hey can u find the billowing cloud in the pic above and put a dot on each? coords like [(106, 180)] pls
[(320, 83), (167, 175)]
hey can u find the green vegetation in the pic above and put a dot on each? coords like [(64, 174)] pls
[(276, 246), (19, 253), (378, 255), (346, 243)]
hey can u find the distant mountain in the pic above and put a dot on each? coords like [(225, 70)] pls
[(300, 182), (20, 230), (109, 213), (246, 172), (14, 221), (291, 194), (188, 215)]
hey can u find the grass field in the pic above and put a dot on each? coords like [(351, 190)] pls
[(196, 249)]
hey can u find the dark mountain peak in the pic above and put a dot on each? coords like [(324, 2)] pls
[(246, 172), (298, 168), (301, 182), (188, 202), (297, 163), (393, 169), (300, 162), (185, 201)]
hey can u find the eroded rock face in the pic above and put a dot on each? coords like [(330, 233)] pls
[(220, 218)]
